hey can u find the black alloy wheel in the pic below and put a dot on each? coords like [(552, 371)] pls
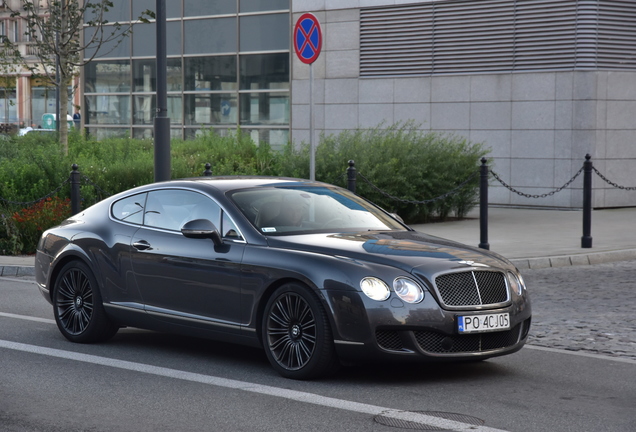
[(77, 306), (296, 334)]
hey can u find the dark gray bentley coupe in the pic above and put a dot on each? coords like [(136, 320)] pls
[(310, 272)]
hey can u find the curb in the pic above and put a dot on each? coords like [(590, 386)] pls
[(574, 260), (15, 271)]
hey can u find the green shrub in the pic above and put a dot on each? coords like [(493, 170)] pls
[(404, 162), (400, 160)]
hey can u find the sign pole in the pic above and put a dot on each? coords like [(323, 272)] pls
[(312, 144)]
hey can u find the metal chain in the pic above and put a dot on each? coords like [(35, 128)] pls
[(510, 188), (335, 179), (612, 183), (99, 189), (441, 197), (49, 195)]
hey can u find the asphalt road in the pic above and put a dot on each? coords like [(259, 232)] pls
[(146, 381)]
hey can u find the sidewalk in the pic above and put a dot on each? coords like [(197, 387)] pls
[(529, 238), (533, 238)]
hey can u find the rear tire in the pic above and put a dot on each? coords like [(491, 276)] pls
[(296, 334), (77, 306)]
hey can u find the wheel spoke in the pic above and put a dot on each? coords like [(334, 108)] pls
[(278, 320), (275, 344)]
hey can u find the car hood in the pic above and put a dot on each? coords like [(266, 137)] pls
[(408, 250)]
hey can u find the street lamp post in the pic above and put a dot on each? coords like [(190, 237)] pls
[(162, 121)]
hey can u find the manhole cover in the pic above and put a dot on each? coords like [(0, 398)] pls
[(414, 425)]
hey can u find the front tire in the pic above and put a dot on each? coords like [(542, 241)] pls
[(77, 306), (296, 334)]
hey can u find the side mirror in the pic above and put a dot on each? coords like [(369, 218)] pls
[(202, 228)]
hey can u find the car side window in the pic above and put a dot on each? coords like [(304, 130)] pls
[(171, 208), (130, 209)]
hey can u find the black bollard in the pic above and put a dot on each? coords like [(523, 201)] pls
[(351, 176), (586, 240), (483, 205), (208, 170)]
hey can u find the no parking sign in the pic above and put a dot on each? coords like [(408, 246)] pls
[(307, 44), (307, 38)]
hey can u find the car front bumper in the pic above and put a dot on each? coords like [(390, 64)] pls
[(393, 330)]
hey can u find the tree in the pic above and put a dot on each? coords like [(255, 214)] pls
[(55, 28), (8, 73)]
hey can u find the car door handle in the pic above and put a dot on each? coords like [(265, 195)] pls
[(141, 245)]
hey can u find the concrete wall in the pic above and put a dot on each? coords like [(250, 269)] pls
[(539, 126)]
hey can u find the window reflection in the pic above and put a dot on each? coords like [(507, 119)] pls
[(264, 71), (145, 75), (145, 109), (264, 108), (207, 7), (107, 109), (265, 32), (205, 36), (210, 73), (111, 76), (210, 109), (173, 7), (117, 47), (263, 5)]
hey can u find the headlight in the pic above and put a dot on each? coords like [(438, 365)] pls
[(408, 290), (375, 288), (516, 283)]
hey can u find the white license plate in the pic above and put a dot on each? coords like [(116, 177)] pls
[(483, 323)]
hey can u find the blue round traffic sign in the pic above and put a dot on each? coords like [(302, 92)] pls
[(307, 38)]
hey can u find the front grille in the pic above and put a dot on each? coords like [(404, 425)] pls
[(473, 288), (389, 340), (434, 342)]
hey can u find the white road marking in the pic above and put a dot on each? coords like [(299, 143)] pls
[(29, 281), (310, 398), (26, 317)]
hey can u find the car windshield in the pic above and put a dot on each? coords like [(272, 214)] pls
[(310, 209)]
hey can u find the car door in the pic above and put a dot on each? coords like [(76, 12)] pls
[(185, 280)]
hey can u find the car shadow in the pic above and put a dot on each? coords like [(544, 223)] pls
[(197, 354), (430, 372)]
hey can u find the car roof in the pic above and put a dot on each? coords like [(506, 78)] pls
[(227, 183)]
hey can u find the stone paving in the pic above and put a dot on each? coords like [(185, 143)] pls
[(585, 308)]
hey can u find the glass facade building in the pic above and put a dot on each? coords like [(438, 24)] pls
[(228, 67)]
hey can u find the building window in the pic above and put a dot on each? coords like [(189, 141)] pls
[(228, 66), (264, 71), (208, 8), (211, 109), (107, 110), (209, 36), (110, 76), (210, 73), (265, 32), (263, 5)]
